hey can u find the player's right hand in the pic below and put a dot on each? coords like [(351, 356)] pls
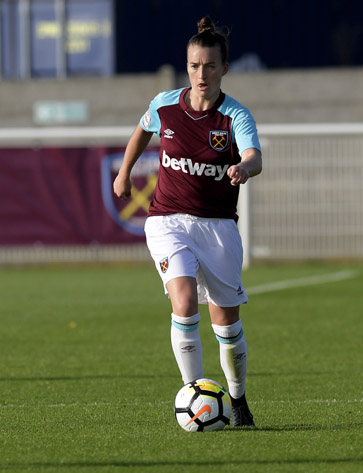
[(122, 187)]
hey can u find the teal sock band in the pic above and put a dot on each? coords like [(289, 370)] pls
[(185, 327), (230, 339)]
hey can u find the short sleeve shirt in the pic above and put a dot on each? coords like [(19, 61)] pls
[(196, 150)]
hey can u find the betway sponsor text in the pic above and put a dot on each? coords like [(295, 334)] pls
[(186, 165)]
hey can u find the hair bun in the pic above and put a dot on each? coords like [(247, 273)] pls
[(206, 25), (209, 36)]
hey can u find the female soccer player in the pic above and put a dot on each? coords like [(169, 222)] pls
[(208, 147)]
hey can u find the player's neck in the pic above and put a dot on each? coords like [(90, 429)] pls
[(200, 103)]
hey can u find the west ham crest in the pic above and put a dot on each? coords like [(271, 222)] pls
[(130, 214), (164, 264), (218, 139)]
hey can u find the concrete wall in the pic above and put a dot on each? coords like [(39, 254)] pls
[(111, 101), (326, 95)]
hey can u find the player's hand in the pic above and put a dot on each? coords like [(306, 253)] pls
[(122, 187), (238, 174)]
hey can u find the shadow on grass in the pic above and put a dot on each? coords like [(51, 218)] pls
[(141, 376), (191, 464), (287, 374), (273, 428), (294, 428)]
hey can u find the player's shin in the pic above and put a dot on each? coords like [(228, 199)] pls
[(187, 346), (233, 356)]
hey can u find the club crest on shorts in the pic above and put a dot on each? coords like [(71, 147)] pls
[(164, 264), (218, 139)]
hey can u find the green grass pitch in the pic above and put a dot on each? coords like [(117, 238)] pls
[(88, 379)]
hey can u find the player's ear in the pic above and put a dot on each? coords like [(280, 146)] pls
[(225, 69)]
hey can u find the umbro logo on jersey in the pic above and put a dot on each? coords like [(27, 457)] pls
[(169, 134), (189, 167)]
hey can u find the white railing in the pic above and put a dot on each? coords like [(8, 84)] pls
[(306, 204), (308, 201)]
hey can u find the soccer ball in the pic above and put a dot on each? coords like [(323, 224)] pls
[(202, 405)]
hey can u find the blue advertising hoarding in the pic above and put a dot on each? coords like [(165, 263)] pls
[(45, 38), (45, 33), (11, 39), (89, 33)]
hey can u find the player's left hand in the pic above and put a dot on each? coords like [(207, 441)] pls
[(238, 174)]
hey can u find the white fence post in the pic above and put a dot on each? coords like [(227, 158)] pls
[(244, 222)]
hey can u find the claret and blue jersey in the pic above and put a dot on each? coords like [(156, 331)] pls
[(196, 150)]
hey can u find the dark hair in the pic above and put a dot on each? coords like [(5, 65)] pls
[(208, 36)]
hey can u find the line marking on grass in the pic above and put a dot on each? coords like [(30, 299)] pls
[(301, 282), (310, 401)]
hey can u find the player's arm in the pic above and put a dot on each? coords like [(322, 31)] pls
[(136, 145), (250, 165)]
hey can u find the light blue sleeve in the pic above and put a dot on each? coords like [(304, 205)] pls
[(150, 121), (244, 131)]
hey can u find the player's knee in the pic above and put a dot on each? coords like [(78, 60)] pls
[(185, 307), (224, 315), (183, 295)]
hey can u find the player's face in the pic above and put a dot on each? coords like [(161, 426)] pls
[(205, 70)]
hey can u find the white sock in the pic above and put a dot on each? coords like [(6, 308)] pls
[(187, 346), (233, 356)]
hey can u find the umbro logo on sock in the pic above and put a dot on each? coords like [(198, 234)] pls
[(239, 357), (188, 349)]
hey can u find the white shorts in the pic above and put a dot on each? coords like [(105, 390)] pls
[(209, 250)]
